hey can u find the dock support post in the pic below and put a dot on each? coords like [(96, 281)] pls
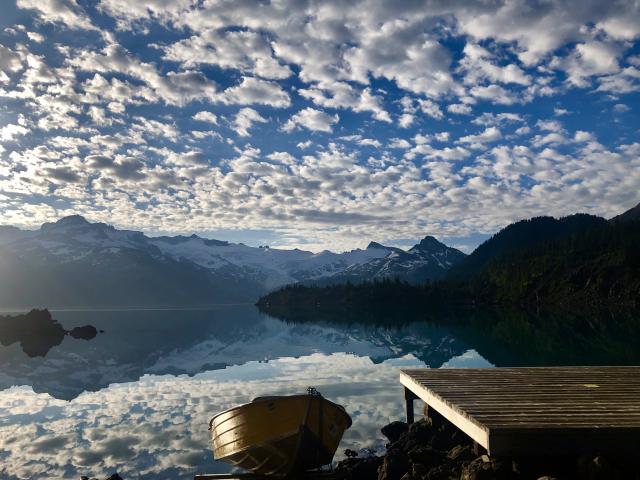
[(409, 397)]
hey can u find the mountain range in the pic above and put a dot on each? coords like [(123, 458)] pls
[(73, 262), (582, 261)]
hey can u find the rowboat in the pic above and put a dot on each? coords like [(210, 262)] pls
[(279, 436)]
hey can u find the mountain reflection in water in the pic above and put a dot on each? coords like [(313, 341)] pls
[(137, 398)]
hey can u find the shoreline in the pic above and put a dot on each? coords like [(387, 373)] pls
[(434, 449)]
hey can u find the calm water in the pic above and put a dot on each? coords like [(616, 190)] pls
[(137, 398)]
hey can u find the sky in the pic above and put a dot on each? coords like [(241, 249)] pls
[(318, 124)]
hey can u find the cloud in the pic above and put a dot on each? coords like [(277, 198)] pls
[(67, 12), (130, 14), (256, 91), (35, 37), (562, 23), (245, 51), (625, 81), (12, 131), (478, 141), (494, 93), (9, 63), (124, 168), (343, 95), (589, 59), (204, 116), (245, 119), (478, 65), (176, 88), (311, 119), (430, 108), (420, 67), (621, 108), (459, 109), (62, 174), (392, 79)]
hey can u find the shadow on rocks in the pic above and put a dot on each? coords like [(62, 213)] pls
[(437, 450)]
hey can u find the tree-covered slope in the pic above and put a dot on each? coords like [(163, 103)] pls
[(574, 261), (597, 265), (520, 236)]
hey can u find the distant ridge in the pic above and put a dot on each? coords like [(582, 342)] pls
[(428, 260), (577, 262), (75, 262), (632, 214)]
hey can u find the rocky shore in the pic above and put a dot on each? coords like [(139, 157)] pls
[(433, 449)]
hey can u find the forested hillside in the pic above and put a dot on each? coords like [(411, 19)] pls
[(578, 261)]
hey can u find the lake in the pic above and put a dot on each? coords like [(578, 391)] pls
[(137, 398)]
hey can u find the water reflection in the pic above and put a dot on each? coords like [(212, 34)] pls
[(37, 332), (188, 342), (157, 427), (137, 398)]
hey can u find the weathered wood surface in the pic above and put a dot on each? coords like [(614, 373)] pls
[(536, 410), (313, 475)]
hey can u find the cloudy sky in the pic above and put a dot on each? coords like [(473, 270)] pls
[(318, 124)]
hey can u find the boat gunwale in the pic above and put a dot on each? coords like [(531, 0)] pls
[(277, 397)]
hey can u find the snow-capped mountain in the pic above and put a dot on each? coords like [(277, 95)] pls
[(270, 266), (75, 262), (428, 260)]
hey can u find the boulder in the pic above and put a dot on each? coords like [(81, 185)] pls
[(394, 466), (360, 468), (426, 456), (597, 468), (395, 430), (461, 453)]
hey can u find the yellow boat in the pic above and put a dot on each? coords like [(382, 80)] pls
[(279, 436)]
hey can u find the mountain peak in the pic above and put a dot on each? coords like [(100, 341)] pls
[(74, 224), (429, 243), (72, 220), (376, 245)]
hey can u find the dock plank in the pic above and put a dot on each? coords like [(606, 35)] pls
[(550, 410)]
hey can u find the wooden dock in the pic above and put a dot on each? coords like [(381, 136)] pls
[(537, 411)]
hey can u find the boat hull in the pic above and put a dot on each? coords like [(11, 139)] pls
[(279, 435)]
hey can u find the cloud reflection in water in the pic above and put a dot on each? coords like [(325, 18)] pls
[(156, 427)]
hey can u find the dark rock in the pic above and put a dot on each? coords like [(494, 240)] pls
[(478, 469), (444, 471), (360, 468), (427, 456), (597, 468), (461, 453), (446, 436), (350, 453), (395, 430), (485, 468), (418, 434), (418, 470), (394, 465), (86, 332)]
